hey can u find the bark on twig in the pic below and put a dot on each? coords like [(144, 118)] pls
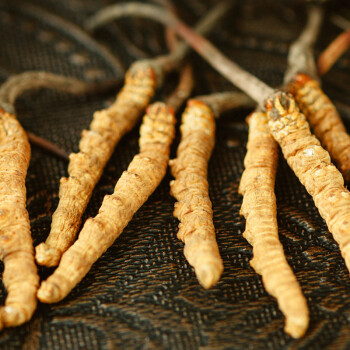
[(252, 86), (224, 101), (332, 53), (301, 56)]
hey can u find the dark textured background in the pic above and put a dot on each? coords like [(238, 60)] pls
[(142, 294)]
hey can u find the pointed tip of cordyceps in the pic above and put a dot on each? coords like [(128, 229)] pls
[(296, 327), (208, 274), (46, 255), (12, 316), (49, 293)]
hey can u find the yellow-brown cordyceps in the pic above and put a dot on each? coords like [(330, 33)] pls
[(259, 208), (16, 247), (132, 189), (190, 188), (85, 167), (310, 162), (106, 129), (324, 120), (312, 165)]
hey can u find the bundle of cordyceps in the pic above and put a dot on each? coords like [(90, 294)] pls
[(281, 117)]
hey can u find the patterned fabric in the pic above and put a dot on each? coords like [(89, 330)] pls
[(142, 294)]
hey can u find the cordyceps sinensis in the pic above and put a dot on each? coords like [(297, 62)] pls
[(314, 169), (257, 187), (324, 120), (97, 144), (86, 166), (190, 186), (302, 81), (312, 165), (16, 247), (135, 185)]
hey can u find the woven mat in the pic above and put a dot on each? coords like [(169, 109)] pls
[(142, 294)]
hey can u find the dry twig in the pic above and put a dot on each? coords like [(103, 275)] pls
[(75, 32), (333, 51), (337, 47), (222, 102), (197, 42), (47, 145)]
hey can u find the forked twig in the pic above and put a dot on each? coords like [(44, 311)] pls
[(198, 43), (168, 62), (79, 35)]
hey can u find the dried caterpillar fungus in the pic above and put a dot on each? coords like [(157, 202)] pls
[(312, 165), (133, 188), (324, 120), (106, 129), (190, 188), (85, 168), (259, 208), (16, 247)]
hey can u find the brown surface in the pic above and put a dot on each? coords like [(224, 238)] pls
[(142, 294)]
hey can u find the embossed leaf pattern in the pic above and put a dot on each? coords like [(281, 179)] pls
[(142, 294)]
